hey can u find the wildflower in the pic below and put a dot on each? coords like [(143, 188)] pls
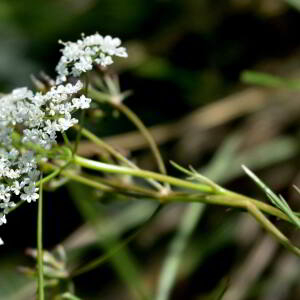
[(66, 122), (2, 219), (1, 242), (37, 117), (30, 193), (82, 102), (79, 57)]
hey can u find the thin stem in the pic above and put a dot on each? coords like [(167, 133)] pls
[(78, 136), (277, 234), (143, 129), (65, 137), (106, 185), (226, 198), (73, 176), (49, 177), (108, 168), (98, 141), (41, 295), (234, 200), (126, 188), (139, 124), (87, 181), (100, 260)]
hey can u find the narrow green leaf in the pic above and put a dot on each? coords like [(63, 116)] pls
[(268, 80), (176, 250), (276, 200)]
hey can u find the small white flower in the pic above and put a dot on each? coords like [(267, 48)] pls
[(6, 206), (66, 122), (80, 56), (83, 102), (1, 242), (4, 193), (30, 193), (111, 46), (34, 175), (85, 64), (16, 187), (2, 219), (104, 60)]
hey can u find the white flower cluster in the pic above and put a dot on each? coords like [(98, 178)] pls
[(79, 57), (40, 115), (37, 117), (18, 173)]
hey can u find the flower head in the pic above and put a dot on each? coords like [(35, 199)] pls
[(36, 118), (79, 57)]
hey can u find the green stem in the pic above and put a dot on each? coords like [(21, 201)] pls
[(98, 141), (105, 185), (138, 123), (107, 168), (73, 176), (78, 136), (66, 139), (100, 260), (232, 199), (143, 129), (224, 198), (126, 188), (40, 246), (87, 181)]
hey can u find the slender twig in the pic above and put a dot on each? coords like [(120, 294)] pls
[(207, 195), (143, 129), (277, 201), (40, 246), (108, 168), (126, 188), (100, 260), (92, 183), (107, 185), (98, 141), (138, 123), (78, 136), (277, 234), (226, 198), (66, 139)]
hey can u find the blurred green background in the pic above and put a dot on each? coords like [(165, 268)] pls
[(184, 57)]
